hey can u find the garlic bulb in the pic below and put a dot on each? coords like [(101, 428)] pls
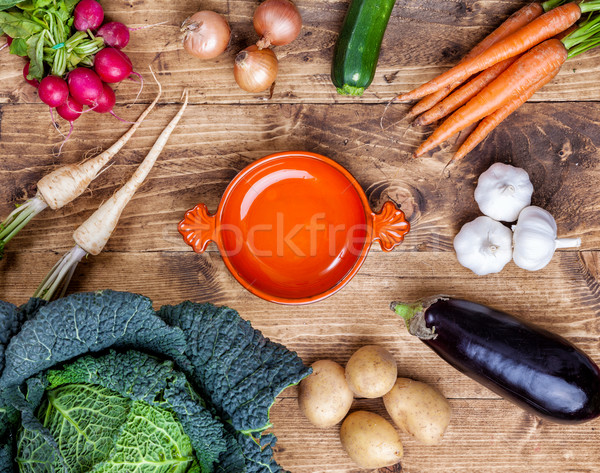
[(534, 239), (483, 245), (503, 191)]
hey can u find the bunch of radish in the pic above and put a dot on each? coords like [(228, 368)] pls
[(87, 84)]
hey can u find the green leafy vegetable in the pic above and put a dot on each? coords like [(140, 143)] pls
[(233, 363), (43, 31), (18, 25), (194, 400), (5, 5), (82, 323), (10, 322)]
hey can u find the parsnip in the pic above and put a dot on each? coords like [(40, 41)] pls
[(65, 184), (91, 236)]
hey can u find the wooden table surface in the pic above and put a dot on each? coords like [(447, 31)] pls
[(555, 138)]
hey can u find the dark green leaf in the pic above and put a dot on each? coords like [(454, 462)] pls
[(6, 460), (18, 25), (8, 415), (30, 308), (10, 322), (83, 323), (240, 370), (258, 453)]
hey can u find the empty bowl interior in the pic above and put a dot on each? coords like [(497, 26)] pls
[(293, 227)]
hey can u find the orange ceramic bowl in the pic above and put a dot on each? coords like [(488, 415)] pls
[(294, 227)]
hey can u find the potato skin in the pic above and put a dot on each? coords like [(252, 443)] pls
[(324, 397), (371, 371), (370, 440), (419, 409)]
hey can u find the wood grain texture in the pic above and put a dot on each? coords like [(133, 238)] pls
[(209, 147), (556, 138), (423, 39), (486, 433)]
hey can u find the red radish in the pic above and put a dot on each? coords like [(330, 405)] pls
[(53, 91), (112, 65), (106, 101), (88, 15), (115, 34), (71, 110), (34, 82), (85, 86)]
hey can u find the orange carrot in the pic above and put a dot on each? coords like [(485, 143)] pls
[(540, 29), (513, 23), (430, 100), (524, 72), (493, 120), (464, 94)]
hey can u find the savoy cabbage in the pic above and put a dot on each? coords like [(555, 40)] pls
[(101, 383)]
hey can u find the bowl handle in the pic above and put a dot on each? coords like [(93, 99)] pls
[(198, 228), (389, 226)]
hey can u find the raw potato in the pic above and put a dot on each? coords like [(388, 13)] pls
[(371, 371), (324, 396), (370, 440), (418, 409)]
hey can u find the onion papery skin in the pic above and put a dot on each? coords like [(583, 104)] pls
[(255, 69), (206, 34), (278, 22)]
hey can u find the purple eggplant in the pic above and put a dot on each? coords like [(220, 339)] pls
[(537, 370)]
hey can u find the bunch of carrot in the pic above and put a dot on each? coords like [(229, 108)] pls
[(503, 71)]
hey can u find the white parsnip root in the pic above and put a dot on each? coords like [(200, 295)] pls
[(93, 234), (65, 184), (91, 237)]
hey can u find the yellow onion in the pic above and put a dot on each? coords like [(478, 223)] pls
[(206, 34), (255, 69), (278, 22)]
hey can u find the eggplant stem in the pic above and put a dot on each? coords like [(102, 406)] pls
[(413, 314), (407, 310)]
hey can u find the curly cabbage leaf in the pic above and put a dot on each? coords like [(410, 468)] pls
[(141, 377), (199, 391), (10, 321), (83, 323), (235, 365)]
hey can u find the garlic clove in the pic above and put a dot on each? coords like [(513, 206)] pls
[(535, 239), (484, 246), (503, 191)]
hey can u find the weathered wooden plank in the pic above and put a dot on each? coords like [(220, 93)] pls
[(212, 143), (486, 434), (423, 38), (562, 297)]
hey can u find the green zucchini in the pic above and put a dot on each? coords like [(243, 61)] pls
[(357, 48)]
